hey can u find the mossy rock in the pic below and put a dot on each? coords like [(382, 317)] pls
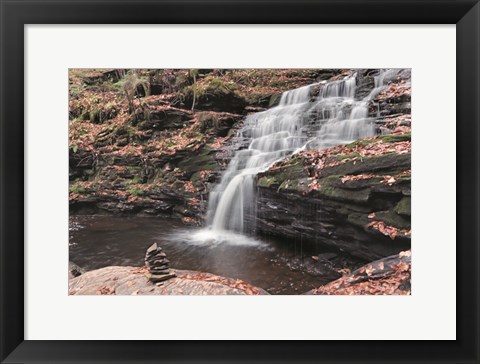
[(387, 138), (208, 120), (386, 163), (274, 100), (294, 169), (341, 157), (393, 219), (358, 219), (339, 194), (205, 160), (395, 138), (267, 182), (403, 208), (298, 185)]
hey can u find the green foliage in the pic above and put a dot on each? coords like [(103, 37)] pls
[(76, 90), (180, 81), (219, 85), (135, 192), (193, 73), (131, 84), (135, 180), (76, 189)]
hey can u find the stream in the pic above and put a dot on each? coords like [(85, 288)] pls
[(277, 266)]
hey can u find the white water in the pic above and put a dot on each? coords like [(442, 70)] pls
[(280, 131)]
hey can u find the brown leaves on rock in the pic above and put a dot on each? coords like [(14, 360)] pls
[(398, 123), (388, 180), (141, 270), (314, 185), (189, 187), (390, 231), (355, 152), (395, 90), (407, 253), (357, 177), (232, 283), (190, 221), (106, 291), (388, 276), (387, 230)]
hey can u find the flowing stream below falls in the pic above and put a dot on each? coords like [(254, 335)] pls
[(279, 267)]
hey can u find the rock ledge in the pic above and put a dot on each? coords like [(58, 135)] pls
[(132, 281)]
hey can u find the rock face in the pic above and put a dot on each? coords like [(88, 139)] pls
[(132, 281), (387, 276), (357, 203)]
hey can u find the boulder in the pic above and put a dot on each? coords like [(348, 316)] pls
[(386, 276), (133, 281)]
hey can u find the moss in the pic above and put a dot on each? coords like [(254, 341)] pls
[(267, 182), (219, 85), (404, 178), (274, 100), (393, 219), (125, 130), (77, 189), (285, 184), (136, 180), (395, 138), (210, 86), (390, 162), (346, 156), (387, 138), (361, 143), (195, 163), (170, 143), (196, 177), (340, 194), (135, 192), (133, 169), (358, 219), (404, 207)]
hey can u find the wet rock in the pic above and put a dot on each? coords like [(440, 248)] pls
[(386, 276), (339, 213), (74, 270), (323, 269)]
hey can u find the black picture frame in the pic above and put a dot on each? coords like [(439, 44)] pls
[(15, 14)]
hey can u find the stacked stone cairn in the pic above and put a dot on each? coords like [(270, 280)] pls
[(157, 264)]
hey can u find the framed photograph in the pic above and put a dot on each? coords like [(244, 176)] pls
[(198, 181)]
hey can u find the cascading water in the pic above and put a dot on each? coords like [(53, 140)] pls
[(300, 121)]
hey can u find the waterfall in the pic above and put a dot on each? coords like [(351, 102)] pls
[(300, 121)]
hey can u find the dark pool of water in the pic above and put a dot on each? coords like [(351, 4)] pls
[(280, 267)]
